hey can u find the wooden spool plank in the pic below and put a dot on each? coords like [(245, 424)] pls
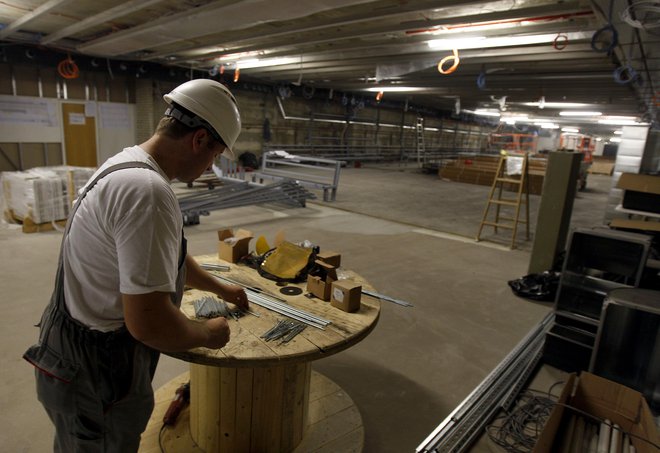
[(226, 425), (332, 432), (244, 378), (266, 409)]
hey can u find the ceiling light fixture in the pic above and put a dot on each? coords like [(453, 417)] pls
[(615, 122), (483, 112), (257, 63), (617, 132), (579, 113), (394, 89), (570, 130), (557, 105), (615, 139), (546, 125), (514, 119), (480, 42)]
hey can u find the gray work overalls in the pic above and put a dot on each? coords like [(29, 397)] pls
[(95, 386)]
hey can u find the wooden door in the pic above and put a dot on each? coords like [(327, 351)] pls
[(79, 136)]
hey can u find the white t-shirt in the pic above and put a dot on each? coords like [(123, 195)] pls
[(125, 238)]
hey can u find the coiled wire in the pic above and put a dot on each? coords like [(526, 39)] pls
[(518, 431)]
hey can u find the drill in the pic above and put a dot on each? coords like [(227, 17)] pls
[(181, 400)]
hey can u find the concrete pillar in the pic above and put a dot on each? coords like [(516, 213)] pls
[(554, 216)]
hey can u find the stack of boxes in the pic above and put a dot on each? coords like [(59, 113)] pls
[(324, 284), (42, 194)]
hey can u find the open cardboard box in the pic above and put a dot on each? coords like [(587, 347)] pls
[(320, 283), (233, 247), (603, 399), (331, 258)]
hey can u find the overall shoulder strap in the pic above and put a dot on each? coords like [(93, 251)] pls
[(103, 174), (58, 293)]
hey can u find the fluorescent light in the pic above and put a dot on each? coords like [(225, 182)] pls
[(256, 63), (617, 132), (546, 125), (579, 113), (471, 42), (479, 42), (238, 56), (513, 119), (394, 89), (557, 105), (615, 139), (483, 112), (619, 122), (570, 129)]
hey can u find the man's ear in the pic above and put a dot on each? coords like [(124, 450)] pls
[(200, 139)]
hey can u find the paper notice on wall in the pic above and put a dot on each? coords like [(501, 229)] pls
[(115, 116), (24, 110), (77, 119), (514, 165), (90, 109)]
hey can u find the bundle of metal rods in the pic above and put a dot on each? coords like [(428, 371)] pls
[(244, 194), (266, 301)]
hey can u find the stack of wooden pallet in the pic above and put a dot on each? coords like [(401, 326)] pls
[(481, 168)]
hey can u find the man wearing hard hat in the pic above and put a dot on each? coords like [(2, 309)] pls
[(122, 269)]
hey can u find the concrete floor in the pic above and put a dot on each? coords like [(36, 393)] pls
[(409, 234)]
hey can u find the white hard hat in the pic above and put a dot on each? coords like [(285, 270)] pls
[(213, 104)]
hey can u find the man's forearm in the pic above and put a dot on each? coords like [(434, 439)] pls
[(198, 278), (153, 320)]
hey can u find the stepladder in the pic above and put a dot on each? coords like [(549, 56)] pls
[(509, 192)]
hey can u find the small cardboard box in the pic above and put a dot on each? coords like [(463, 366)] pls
[(605, 400), (641, 192), (320, 283), (233, 247), (346, 295), (332, 258)]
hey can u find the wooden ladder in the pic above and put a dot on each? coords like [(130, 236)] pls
[(522, 183)]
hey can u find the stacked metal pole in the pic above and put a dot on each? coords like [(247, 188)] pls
[(266, 301), (244, 194)]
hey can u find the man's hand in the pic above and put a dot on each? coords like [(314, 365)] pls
[(200, 279), (235, 295), (218, 333)]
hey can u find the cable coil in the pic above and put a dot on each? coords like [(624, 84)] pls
[(453, 67), (68, 69), (644, 8), (610, 43)]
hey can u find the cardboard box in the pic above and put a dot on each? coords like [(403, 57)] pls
[(641, 192), (346, 295), (603, 399), (630, 224), (320, 283), (332, 258), (233, 247)]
